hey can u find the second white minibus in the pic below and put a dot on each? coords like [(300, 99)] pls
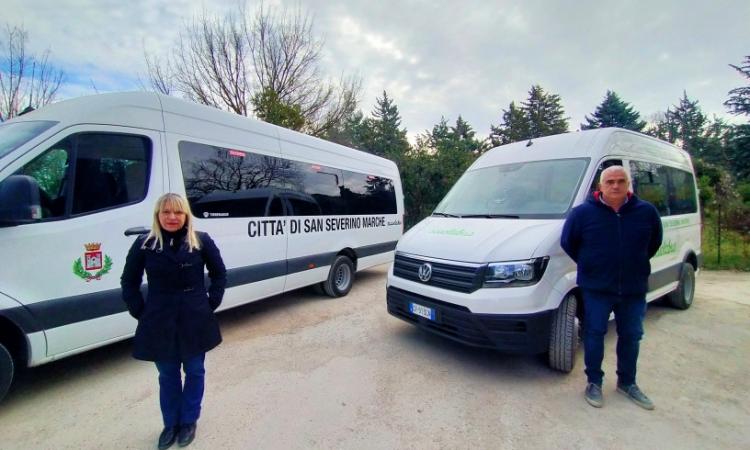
[(486, 268)]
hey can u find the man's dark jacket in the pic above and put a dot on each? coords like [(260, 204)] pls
[(612, 249), (176, 321)]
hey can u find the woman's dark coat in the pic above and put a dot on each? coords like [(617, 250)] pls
[(176, 321)]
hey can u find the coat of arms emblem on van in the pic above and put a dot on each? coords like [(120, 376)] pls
[(425, 272), (93, 260)]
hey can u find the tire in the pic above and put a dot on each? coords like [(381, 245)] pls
[(563, 339), (7, 369), (340, 278), (682, 297)]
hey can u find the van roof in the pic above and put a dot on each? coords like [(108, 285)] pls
[(594, 144), (153, 111)]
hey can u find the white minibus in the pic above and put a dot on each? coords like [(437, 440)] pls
[(79, 180), (486, 268)]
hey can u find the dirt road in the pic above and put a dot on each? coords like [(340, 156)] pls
[(304, 371)]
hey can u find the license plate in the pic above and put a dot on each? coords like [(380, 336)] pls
[(422, 311)]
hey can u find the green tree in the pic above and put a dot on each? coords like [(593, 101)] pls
[(739, 98), (514, 127), (268, 107), (463, 137), (544, 112), (614, 112), (689, 120), (388, 139)]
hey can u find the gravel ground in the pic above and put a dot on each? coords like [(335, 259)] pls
[(304, 371)]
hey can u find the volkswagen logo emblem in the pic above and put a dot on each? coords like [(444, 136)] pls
[(425, 272)]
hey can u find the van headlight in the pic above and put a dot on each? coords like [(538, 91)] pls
[(515, 273)]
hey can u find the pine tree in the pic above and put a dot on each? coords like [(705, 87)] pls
[(514, 127), (544, 112), (739, 98), (463, 137), (687, 122), (613, 112), (389, 139)]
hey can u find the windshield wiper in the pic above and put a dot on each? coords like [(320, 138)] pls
[(491, 216), (444, 214)]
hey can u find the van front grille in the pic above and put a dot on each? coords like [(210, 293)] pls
[(461, 278)]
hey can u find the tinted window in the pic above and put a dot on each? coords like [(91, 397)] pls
[(321, 183), (230, 183), (108, 170), (682, 198), (368, 194), (650, 182)]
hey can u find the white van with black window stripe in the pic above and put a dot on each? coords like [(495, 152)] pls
[(78, 182), (486, 268)]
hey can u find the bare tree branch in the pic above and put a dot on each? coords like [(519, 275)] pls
[(232, 63), (18, 87)]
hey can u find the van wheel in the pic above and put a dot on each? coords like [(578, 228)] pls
[(6, 371), (682, 297), (563, 339), (340, 278)]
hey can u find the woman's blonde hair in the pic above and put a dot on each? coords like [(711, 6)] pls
[(174, 202)]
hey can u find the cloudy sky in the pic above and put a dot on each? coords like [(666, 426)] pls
[(439, 58)]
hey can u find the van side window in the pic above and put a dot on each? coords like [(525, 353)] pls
[(110, 170), (222, 182), (650, 182), (682, 198), (602, 166), (368, 194), (319, 182)]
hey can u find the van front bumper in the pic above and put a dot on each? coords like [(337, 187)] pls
[(512, 333)]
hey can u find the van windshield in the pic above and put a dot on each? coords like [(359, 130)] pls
[(529, 190), (14, 135)]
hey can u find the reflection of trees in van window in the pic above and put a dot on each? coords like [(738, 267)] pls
[(368, 194), (651, 184), (319, 182), (228, 183), (110, 170), (49, 170), (528, 189)]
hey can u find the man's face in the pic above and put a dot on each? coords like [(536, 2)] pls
[(614, 185)]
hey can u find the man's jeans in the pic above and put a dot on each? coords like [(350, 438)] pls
[(629, 312), (181, 405)]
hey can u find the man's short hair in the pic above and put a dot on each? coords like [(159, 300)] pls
[(611, 169)]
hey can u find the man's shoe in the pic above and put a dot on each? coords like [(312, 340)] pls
[(594, 395), (187, 434), (634, 393), (167, 437)]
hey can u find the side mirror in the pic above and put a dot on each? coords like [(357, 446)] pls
[(19, 200)]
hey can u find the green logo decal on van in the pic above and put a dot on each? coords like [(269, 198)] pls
[(453, 232), (666, 248), (93, 261)]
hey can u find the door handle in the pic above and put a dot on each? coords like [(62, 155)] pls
[(136, 231)]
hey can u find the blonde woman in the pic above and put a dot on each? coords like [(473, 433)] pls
[(176, 323)]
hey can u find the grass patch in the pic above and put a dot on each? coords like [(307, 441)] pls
[(735, 248)]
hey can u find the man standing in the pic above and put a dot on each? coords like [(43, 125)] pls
[(612, 236)]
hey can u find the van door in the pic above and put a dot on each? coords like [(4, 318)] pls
[(94, 183)]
